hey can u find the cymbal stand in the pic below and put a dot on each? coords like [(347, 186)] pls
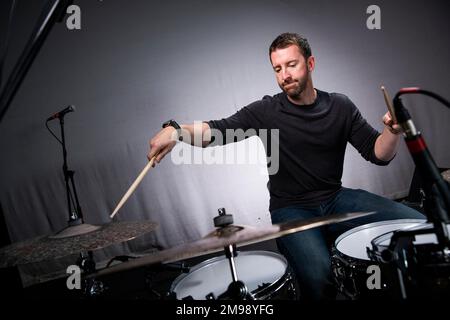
[(91, 287), (237, 290)]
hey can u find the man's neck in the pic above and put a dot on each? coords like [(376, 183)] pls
[(307, 97)]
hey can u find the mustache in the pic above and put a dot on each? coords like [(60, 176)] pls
[(285, 83)]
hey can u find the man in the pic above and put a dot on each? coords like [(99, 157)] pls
[(314, 128)]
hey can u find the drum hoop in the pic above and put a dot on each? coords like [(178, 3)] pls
[(222, 257), (271, 290), (348, 260), (376, 242), (372, 224)]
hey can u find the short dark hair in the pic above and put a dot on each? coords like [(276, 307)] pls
[(287, 39)]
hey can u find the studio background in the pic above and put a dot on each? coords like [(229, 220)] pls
[(135, 64)]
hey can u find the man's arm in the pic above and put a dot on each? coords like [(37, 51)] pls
[(197, 134), (387, 143)]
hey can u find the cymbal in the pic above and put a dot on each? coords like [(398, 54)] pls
[(72, 240), (229, 235)]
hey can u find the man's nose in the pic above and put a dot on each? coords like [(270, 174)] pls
[(285, 75)]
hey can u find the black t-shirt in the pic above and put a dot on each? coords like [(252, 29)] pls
[(312, 142)]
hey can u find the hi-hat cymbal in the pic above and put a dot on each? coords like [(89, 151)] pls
[(232, 234), (72, 240)]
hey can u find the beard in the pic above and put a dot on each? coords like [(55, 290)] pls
[(295, 87)]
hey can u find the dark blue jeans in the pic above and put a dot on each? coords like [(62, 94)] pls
[(308, 252)]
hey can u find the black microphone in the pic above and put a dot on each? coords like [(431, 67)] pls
[(422, 158), (61, 113)]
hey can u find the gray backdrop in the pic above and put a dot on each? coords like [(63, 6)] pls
[(135, 64)]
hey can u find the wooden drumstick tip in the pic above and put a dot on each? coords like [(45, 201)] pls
[(389, 105)]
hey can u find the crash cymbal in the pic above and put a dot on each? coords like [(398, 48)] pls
[(72, 240), (232, 234)]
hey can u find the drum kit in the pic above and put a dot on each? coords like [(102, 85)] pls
[(208, 280), (263, 275)]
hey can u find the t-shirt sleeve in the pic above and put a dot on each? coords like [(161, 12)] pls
[(243, 124), (363, 137)]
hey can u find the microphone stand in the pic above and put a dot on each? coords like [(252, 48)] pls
[(75, 213), (76, 225), (411, 259), (437, 191), (53, 11)]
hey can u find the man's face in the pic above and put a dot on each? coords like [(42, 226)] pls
[(291, 70)]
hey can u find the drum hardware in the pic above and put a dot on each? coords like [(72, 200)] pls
[(191, 286), (351, 257), (153, 278), (411, 260), (86, 262), (227, 237), (422, 266), (237, 290), (91, 288)]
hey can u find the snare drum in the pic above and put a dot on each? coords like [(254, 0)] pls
[(266, 275), (350, 261)]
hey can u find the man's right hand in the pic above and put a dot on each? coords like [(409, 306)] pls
[(162, 143)]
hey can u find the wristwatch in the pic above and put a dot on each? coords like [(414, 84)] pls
[(174, 124)]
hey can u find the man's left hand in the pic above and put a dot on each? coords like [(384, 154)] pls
[(389, 123)]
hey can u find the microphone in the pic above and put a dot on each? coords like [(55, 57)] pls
[(422, 158), (61, 113)]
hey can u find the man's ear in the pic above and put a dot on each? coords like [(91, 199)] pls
[(311, 63)]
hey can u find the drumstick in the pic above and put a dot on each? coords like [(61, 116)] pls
[(389, 105), (133, 186)]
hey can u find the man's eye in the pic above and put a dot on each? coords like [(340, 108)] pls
[(292, 65)]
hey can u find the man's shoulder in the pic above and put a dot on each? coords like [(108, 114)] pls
[(266, 101), (342, 100), (274, 98), (340, 97)]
